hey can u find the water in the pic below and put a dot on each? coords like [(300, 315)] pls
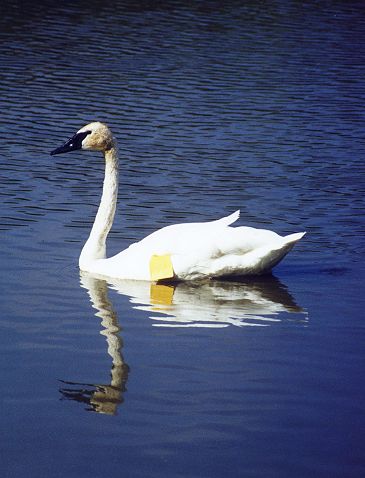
[(216, 106)]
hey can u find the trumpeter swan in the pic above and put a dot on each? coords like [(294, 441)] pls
[(188, 251)]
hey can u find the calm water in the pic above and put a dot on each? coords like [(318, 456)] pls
[(216, 106)]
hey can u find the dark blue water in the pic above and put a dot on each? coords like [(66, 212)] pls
[(216, 106)]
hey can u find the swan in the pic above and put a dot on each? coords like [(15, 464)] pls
[(190, 251)]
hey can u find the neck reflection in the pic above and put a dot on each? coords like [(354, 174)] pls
[(102, 398)]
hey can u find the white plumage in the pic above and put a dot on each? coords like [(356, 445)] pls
[(194, 250)]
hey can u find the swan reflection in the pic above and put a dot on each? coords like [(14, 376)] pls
[(102, 398), (259, 302)]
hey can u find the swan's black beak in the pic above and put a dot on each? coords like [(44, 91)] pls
[(72, 144)]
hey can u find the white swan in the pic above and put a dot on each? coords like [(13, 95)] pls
[(179, 252)]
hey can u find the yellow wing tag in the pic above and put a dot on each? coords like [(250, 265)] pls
[(161, 267), (161, 294)]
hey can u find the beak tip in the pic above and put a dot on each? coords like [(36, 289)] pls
[(58, 151)]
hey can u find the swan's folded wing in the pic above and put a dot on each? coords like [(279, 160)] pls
[(235, 252), (227, 220)]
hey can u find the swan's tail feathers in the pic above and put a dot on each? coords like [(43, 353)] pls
[(228, 220), (293, 238)]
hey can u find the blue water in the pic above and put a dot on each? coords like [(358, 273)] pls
[(216, 107)]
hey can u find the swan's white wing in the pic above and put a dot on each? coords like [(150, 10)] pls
[(206, 249), (214, 249), (230, 251), (227, 220)]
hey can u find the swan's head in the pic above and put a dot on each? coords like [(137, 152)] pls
[(94, 136)]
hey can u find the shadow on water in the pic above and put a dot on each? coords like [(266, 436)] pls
[(261, 302)]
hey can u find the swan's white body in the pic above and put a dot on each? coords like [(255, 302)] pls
[(194, 250)]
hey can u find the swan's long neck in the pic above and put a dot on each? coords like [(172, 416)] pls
[(94, 247)]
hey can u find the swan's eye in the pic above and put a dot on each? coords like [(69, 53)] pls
[(82, 136), (76, 141)]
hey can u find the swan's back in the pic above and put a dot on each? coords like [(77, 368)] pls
[(211, 249)]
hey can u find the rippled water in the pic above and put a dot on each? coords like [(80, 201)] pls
[(216, 106)]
